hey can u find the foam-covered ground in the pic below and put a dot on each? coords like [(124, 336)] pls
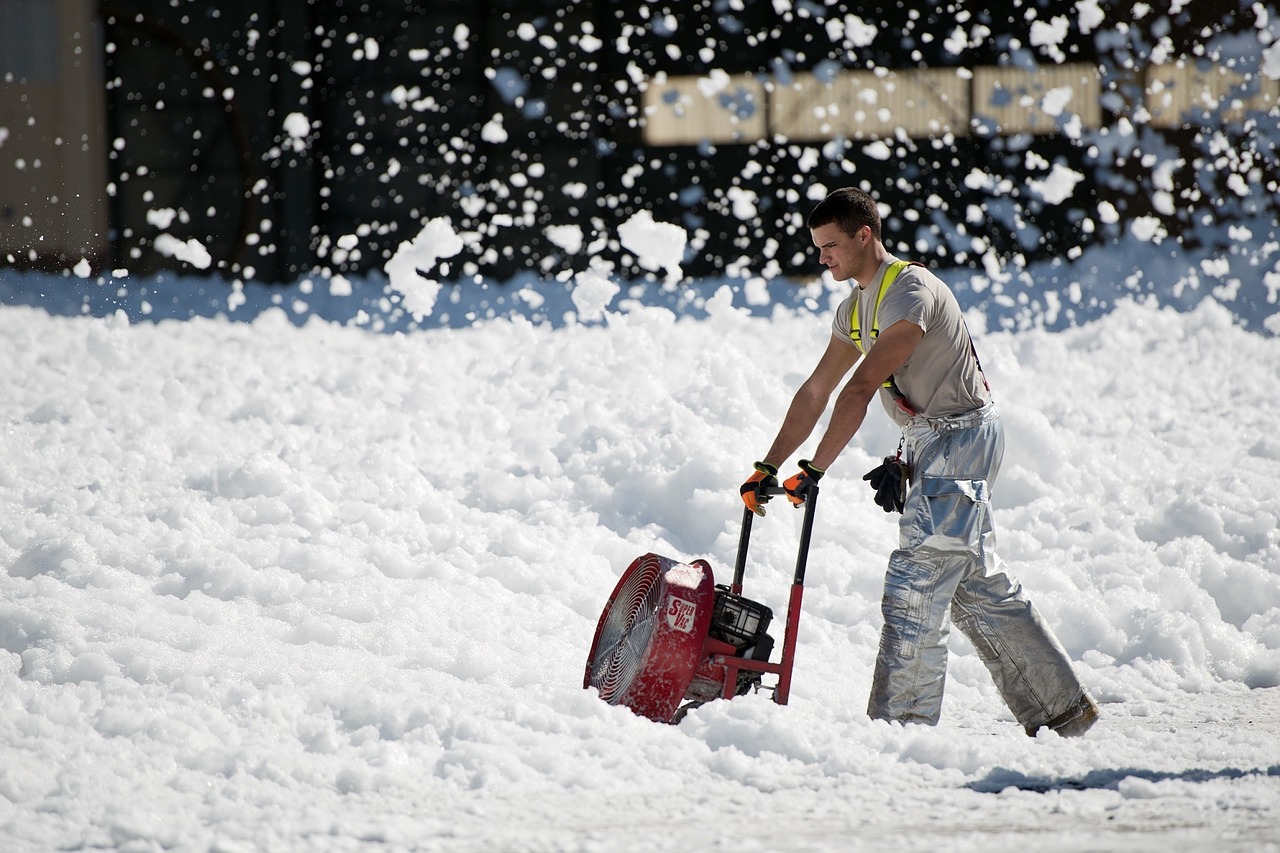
[(279, 587)]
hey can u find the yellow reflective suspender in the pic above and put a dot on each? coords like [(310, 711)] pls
[(855, 328), (855, 331)]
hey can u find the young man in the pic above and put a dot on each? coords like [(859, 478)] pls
[(903, 329)]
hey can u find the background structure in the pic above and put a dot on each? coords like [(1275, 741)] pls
[(270, 140)]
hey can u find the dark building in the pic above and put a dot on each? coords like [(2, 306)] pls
[(272, 139)]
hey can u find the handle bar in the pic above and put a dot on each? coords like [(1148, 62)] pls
[(806, 533)]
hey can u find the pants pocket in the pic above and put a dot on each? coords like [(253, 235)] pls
[(949, 516), (903, 608)]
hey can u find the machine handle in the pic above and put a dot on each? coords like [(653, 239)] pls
[(806, 533)]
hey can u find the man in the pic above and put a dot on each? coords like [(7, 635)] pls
[(903, 329)]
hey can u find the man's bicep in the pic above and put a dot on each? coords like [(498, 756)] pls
[(891, 350)]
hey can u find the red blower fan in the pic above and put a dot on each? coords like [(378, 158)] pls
[(669, 635)]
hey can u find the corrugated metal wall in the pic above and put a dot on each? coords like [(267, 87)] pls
[(278, 128)]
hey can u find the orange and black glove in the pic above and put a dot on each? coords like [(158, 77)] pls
[(754, 490), (799, 486)]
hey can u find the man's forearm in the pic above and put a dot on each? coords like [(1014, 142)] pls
[(850, 411), (802, 416)]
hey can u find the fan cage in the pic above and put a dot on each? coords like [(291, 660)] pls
[(627, 632)]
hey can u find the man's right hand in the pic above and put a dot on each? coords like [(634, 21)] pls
[(754, 490)]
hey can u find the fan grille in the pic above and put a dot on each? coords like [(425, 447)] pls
[(627, 631)]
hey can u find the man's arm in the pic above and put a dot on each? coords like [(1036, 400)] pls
[(890, 351), (811, 399)]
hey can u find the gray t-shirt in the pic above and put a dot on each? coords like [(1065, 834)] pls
[(942, 376)]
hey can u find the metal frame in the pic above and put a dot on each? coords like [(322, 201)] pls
[(782, 668)]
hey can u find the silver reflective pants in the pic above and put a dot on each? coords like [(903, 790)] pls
[(946, 569)]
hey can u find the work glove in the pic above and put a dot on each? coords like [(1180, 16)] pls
[(889, 480), (753, 490), (799, 486)]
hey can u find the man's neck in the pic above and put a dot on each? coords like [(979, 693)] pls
[(863, 275)]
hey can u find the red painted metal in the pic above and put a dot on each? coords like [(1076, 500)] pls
[(652, 650), (649, 640)]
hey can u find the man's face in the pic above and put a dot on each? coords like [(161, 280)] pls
[(841, 253)]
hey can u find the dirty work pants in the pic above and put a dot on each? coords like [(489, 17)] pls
[(946, 569)]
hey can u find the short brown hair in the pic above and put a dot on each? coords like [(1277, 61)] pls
[(848, 208)]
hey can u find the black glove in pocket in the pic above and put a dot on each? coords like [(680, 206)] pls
[(889, 479)]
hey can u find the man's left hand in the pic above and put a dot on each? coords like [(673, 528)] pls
[(800, 485)]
